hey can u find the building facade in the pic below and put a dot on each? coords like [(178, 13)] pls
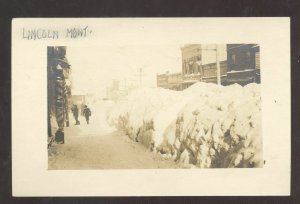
[(209, 72), (175, 81), (199, 63), (78, 99), (58, 92), (170, 81), (162, 80), (115, 92), (191, 64), (243, 63), (239, 63)]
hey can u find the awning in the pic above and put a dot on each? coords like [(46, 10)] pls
[(246, 79)]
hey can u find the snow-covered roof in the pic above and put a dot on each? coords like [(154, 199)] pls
[(190, 81), (239, 71)]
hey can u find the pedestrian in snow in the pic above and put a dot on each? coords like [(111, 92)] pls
[(75, 114), (87, 113)]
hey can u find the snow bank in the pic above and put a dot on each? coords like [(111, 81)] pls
[(135, 113), (205, 125)]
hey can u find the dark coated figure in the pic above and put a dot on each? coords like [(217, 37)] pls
[(87, 113), (75, 114)]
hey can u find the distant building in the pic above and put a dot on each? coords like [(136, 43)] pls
[(175, 81), (170, 81), (209, 72), (115, 85), (243, 63), (114, 92), (239, 63), (199, 63), (162, 80), (191, 62), (78, 99)]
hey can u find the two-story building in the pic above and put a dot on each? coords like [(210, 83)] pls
[(191, 64), (199, 63), (243, 63), (209, 72)]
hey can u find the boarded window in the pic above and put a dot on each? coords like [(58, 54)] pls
[(257, 60), (233, 59)]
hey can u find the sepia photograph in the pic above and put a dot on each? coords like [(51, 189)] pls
[(154, 106), (151, 107)]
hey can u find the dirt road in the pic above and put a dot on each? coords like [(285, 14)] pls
[(97, 146)]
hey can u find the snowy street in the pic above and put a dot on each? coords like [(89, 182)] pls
[(96, 146), (208, 115), (203, 126)]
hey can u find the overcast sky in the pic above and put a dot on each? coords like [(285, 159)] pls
[(118, 48), (94, 68)]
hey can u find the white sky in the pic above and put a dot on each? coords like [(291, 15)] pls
[(118, 48), (94, 68)]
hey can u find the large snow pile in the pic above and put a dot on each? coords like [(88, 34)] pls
[(135, 113), (205, 125)]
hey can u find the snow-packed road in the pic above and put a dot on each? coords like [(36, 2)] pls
[(98, 146)]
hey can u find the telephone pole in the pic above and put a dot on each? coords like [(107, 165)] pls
[(218, 66)]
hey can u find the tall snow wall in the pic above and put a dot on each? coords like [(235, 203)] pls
[(205, 126)]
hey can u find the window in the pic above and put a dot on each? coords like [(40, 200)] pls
[(233, 59), (248, 60), (190, 69), (248, 55), (257, 60), (187, 68)]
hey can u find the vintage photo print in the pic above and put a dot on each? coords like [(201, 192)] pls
[(154, 106), (151, 106)]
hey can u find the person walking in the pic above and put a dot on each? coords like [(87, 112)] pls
[(87, 113), (75, 114)]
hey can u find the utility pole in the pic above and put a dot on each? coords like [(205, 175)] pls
[(218, 66), (141, 70)]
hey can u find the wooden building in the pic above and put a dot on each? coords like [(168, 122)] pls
[(170, 81), (199, 63), (191, 64), (162, 80), (209, 72), (175, 81), (243, 63)]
